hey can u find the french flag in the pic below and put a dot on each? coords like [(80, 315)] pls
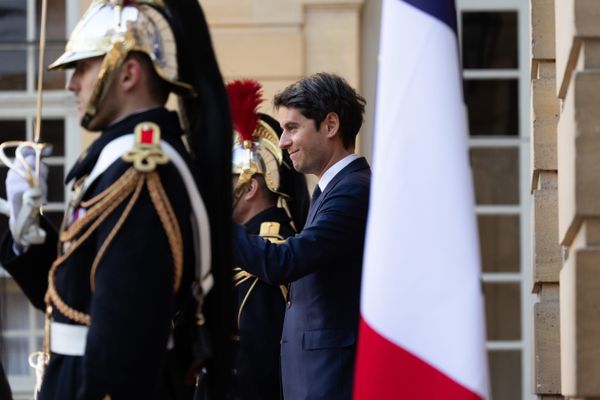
[(422, 330)]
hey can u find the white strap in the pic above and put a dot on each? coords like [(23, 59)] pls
[(109, 154), (4, 207), (70, 340), (67, 339), (200, 221)]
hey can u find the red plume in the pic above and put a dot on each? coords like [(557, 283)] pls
[(244, 98)]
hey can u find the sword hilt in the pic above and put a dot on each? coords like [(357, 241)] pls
[(19, 164)]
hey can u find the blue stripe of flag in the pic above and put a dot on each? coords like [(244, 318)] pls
[(444, 10)]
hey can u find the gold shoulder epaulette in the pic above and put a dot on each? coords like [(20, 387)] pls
[(270, 231), (146, 152)]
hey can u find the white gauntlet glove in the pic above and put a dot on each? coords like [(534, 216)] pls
[(24, 204)]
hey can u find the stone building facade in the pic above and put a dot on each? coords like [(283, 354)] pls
[(565, 96)]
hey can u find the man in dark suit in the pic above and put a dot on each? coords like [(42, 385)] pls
[(271, 200), (320, 116)]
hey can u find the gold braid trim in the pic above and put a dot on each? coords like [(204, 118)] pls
[(240, 276), (115, 229), (170, 225), (239, 316), (111, 196), (108, 201), (103, 205)]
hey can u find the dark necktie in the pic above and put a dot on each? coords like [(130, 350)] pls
[(316, 194)]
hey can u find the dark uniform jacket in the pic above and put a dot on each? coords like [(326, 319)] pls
[(323, 266), (5, 393), (256, 351), (133, 304)]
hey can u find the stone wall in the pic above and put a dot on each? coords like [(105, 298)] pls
[(566, 196)]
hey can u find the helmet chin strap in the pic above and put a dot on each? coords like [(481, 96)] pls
[(238, 190), (110, 65)]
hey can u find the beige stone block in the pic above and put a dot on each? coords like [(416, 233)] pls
[(221, 13), (269, 52), (270, 88), (546, 247), (591, 230), (579, 324), (588, 234), (575, 20), (547, 341), (542, 29), (333, 47), (578, 155), (545, 111), (550, 293)]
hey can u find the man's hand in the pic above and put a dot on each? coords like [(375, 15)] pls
[(24, 203)]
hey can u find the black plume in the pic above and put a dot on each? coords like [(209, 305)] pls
[(210, 140)]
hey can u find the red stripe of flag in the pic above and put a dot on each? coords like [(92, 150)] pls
[(385, 371)]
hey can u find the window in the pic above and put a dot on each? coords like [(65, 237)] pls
[(494, 48), (21, 324), (19, 44)]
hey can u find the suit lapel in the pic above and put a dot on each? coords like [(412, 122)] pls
[(358, 164)]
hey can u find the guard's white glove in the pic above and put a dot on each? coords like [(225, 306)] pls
[(24, 203)]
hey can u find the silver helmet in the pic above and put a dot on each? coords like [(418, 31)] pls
[(113, 29)]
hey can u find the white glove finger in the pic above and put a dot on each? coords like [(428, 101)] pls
[(15, 187), (43, 176)]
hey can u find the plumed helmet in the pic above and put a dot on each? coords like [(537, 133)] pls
[(113, 29), (255, 143), (256, 151)]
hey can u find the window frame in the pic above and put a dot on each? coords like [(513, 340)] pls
[(57, 104), (523, 208)]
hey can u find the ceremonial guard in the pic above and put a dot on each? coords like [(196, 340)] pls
[(271, 200), (123, 281)]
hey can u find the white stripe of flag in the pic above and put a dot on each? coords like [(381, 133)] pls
[(422, 321)]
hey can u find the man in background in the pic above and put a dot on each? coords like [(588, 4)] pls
[(320, 116), (270, 200)]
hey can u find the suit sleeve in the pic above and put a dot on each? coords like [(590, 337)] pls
[(339, 227)]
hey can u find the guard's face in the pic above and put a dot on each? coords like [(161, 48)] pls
[(240, 205), (83, 81), (307, 146)]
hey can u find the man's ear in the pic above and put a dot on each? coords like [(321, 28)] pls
[(131, 73), (332, 124), (252, 188)]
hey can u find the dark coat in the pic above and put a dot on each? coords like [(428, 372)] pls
[(5, 393), (133, 304), (256, 374), (323, 266)]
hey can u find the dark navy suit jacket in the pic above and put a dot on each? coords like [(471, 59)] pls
[(323, 266)]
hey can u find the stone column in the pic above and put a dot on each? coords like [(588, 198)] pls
[(578, 142), (547, 260)]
